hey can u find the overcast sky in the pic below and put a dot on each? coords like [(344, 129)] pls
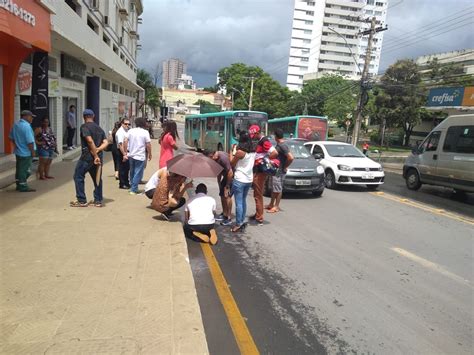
[(211, 34)]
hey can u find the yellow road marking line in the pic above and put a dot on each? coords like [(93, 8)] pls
[(430, 265), (241, 332), (424, 207)]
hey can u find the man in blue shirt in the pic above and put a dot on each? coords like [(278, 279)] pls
[(24, 140)]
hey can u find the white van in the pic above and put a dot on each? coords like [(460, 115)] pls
[(445, 157)]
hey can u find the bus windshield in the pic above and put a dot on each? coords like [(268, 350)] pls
[(243, 120)]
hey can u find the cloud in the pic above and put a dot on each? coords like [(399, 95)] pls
[(211, 34)]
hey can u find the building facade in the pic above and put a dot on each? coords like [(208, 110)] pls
[(464, 59), (92, 63), (173, 69), (325, 39), (25, 27), (185, 82)]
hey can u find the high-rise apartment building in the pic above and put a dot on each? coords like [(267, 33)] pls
[(172, 70), (325, 38)]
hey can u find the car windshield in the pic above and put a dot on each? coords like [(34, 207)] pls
[(298, 150), (343, 150)]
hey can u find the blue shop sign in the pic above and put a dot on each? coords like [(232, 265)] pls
[(445, 97)]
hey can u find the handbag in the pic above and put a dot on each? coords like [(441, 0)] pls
[(268, 166)]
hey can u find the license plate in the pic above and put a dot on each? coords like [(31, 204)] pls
[(303, 182), (367, 176)]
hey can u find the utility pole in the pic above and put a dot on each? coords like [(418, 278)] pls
[(251, 92), (365, 78)]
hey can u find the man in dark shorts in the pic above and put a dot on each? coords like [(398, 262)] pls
[(286, 158), (224, 180), (93, 143)]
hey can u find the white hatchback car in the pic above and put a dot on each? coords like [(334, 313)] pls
[(346, 165)]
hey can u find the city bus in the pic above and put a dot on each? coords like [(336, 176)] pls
[(312, 128), (220, 130)]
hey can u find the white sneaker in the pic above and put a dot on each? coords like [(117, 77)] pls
[(69, 148)]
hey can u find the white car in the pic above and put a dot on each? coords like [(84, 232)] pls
[(344, 164)]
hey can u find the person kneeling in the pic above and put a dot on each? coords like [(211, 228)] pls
[(199, 220)]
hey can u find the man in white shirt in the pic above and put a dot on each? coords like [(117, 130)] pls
[(199, 216), (138, 145), (124, 166)]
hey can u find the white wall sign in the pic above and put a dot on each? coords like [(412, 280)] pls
[(16, 10)]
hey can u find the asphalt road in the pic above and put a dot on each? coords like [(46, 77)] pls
[(351, 271)]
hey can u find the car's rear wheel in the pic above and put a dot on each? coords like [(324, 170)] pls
[(372, 187), (330, 179), (412, 179)]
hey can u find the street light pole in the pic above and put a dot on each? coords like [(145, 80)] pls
[(251, 93)]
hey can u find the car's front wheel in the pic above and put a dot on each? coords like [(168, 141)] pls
[(318, 193), (330, 179), (412, 179)]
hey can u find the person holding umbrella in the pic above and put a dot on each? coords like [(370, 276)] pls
[(171, 187), (169, 193)]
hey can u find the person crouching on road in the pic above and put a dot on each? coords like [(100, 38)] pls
[(286, 158), (264, 148), (138, 147), (152, 183), (224, 180), (199, 218), (93, 143), (169, 193)]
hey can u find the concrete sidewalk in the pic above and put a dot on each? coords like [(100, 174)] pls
[(94, 280)]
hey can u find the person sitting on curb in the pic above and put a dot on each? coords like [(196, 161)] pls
[(199, 217), (169, 193)]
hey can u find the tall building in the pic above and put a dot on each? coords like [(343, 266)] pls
[(172, 70), (185, 82), (325, 38), (92, 61)]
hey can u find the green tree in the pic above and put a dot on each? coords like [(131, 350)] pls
[(152, 93), (331, 95), (446, 74), (268, 95), (211, 88), (402, 96)]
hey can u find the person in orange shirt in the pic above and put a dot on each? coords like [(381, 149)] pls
[(365, 148)]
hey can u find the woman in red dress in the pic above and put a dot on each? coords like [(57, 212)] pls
[(168, 142)]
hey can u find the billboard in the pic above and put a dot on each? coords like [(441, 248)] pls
[(441, 97), (445, 97)]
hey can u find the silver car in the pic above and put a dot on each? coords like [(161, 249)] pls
[(305, 174), (445, 157)]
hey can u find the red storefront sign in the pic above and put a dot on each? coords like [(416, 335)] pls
[(24, 81)]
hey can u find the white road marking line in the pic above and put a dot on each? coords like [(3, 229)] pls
[(433, 266)]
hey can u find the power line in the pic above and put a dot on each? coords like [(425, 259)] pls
[(436, 28), (421, 39)]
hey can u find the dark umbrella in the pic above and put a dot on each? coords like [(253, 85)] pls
[(194, 165)]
